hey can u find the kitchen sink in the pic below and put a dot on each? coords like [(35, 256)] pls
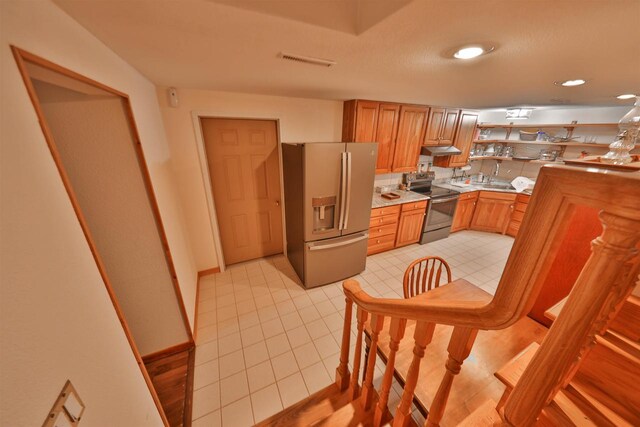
[(498, 186)]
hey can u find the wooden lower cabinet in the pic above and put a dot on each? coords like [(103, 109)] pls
[(383, 227), (410, 225), (464, 211), (394, 226), (522, 200), (493, 212)]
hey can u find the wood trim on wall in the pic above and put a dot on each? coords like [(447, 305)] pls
[(21, 57), (208, 271)]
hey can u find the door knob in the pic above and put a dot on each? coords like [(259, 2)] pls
[(277, 202)]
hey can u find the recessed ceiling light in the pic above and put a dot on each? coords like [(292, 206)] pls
[(626, 96), (570, 83), (470, 52)]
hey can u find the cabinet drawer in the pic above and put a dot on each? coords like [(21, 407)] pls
[(422, 205), (517, 216), (520, 207), (469, 196), (382, 243), (522, 198), (385, 211), (382, 230), (383, 220), (497, 196), (513, 228)]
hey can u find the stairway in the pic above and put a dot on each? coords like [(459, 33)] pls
[(586, 371), (605, 390)]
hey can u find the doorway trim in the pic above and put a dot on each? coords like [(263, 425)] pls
[(22, 57), (196, 115)]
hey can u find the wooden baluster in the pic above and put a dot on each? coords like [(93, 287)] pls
[(342, 371), (367, 386), (422, 337), (459, 349), (361, 317), (603, 282), (396, 332)]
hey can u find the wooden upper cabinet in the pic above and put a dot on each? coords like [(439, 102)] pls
[(359, 121), (449, 127), (463, 140), (441, 127), (413, 121), (386, 132)]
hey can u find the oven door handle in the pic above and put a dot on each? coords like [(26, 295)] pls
[(448, 199)]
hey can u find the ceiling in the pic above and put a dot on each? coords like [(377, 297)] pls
[(394, 50)]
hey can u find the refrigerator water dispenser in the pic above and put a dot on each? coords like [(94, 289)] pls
[(324, 209)]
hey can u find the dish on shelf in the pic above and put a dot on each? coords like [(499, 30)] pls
[(528, 136), (525, 157)]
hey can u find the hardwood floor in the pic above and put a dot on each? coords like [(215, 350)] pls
[(172, 377), (476, 382)]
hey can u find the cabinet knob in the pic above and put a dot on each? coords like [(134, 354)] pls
[(379, 230), (377, 241)]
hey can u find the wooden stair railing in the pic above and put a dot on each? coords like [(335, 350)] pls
[(606, 280)]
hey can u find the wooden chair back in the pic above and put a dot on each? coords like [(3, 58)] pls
[(424, 274)]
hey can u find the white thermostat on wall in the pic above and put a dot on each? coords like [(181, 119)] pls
[(173, 97)]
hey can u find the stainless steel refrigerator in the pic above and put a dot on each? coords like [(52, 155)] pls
[(328, 189)]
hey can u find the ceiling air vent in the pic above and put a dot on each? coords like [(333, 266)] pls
[(307, 59)]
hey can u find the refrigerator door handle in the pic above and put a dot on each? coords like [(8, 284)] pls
[(348, 196), (343, 190), (321, 246)]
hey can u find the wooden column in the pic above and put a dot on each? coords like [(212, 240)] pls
[(361, 318), (422, 336), (342, 371), (459, 348), (377, 322), (604, 281), (396, 332)]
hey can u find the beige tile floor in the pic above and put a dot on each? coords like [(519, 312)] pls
[(264, 342)]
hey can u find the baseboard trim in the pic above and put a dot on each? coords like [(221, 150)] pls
[(152, 357), (208, 271)]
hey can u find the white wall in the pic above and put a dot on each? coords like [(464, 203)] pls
[(56, 319), (300, 120)]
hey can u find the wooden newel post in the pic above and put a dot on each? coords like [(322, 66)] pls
[(603, 282), (460, 345), (422, 336), (396, 332), (342, 371)]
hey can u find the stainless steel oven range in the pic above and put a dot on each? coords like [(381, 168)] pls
[(441, 208)]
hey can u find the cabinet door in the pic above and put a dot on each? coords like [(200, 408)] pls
[(410, 227), (387, 129), (463, 216), (465, 131), (449, 127), (434, 127), (409, 140), (492, 215), (366, 121)]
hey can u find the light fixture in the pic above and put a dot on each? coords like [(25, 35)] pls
[(626, 96), (570, 83), (519, 113), (472, 51)]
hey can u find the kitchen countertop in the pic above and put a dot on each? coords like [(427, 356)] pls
[(405, 197), (477, 187)]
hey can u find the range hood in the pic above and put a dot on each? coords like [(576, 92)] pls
[(440, 150)]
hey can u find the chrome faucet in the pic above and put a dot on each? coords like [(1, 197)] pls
[(494, 173)]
